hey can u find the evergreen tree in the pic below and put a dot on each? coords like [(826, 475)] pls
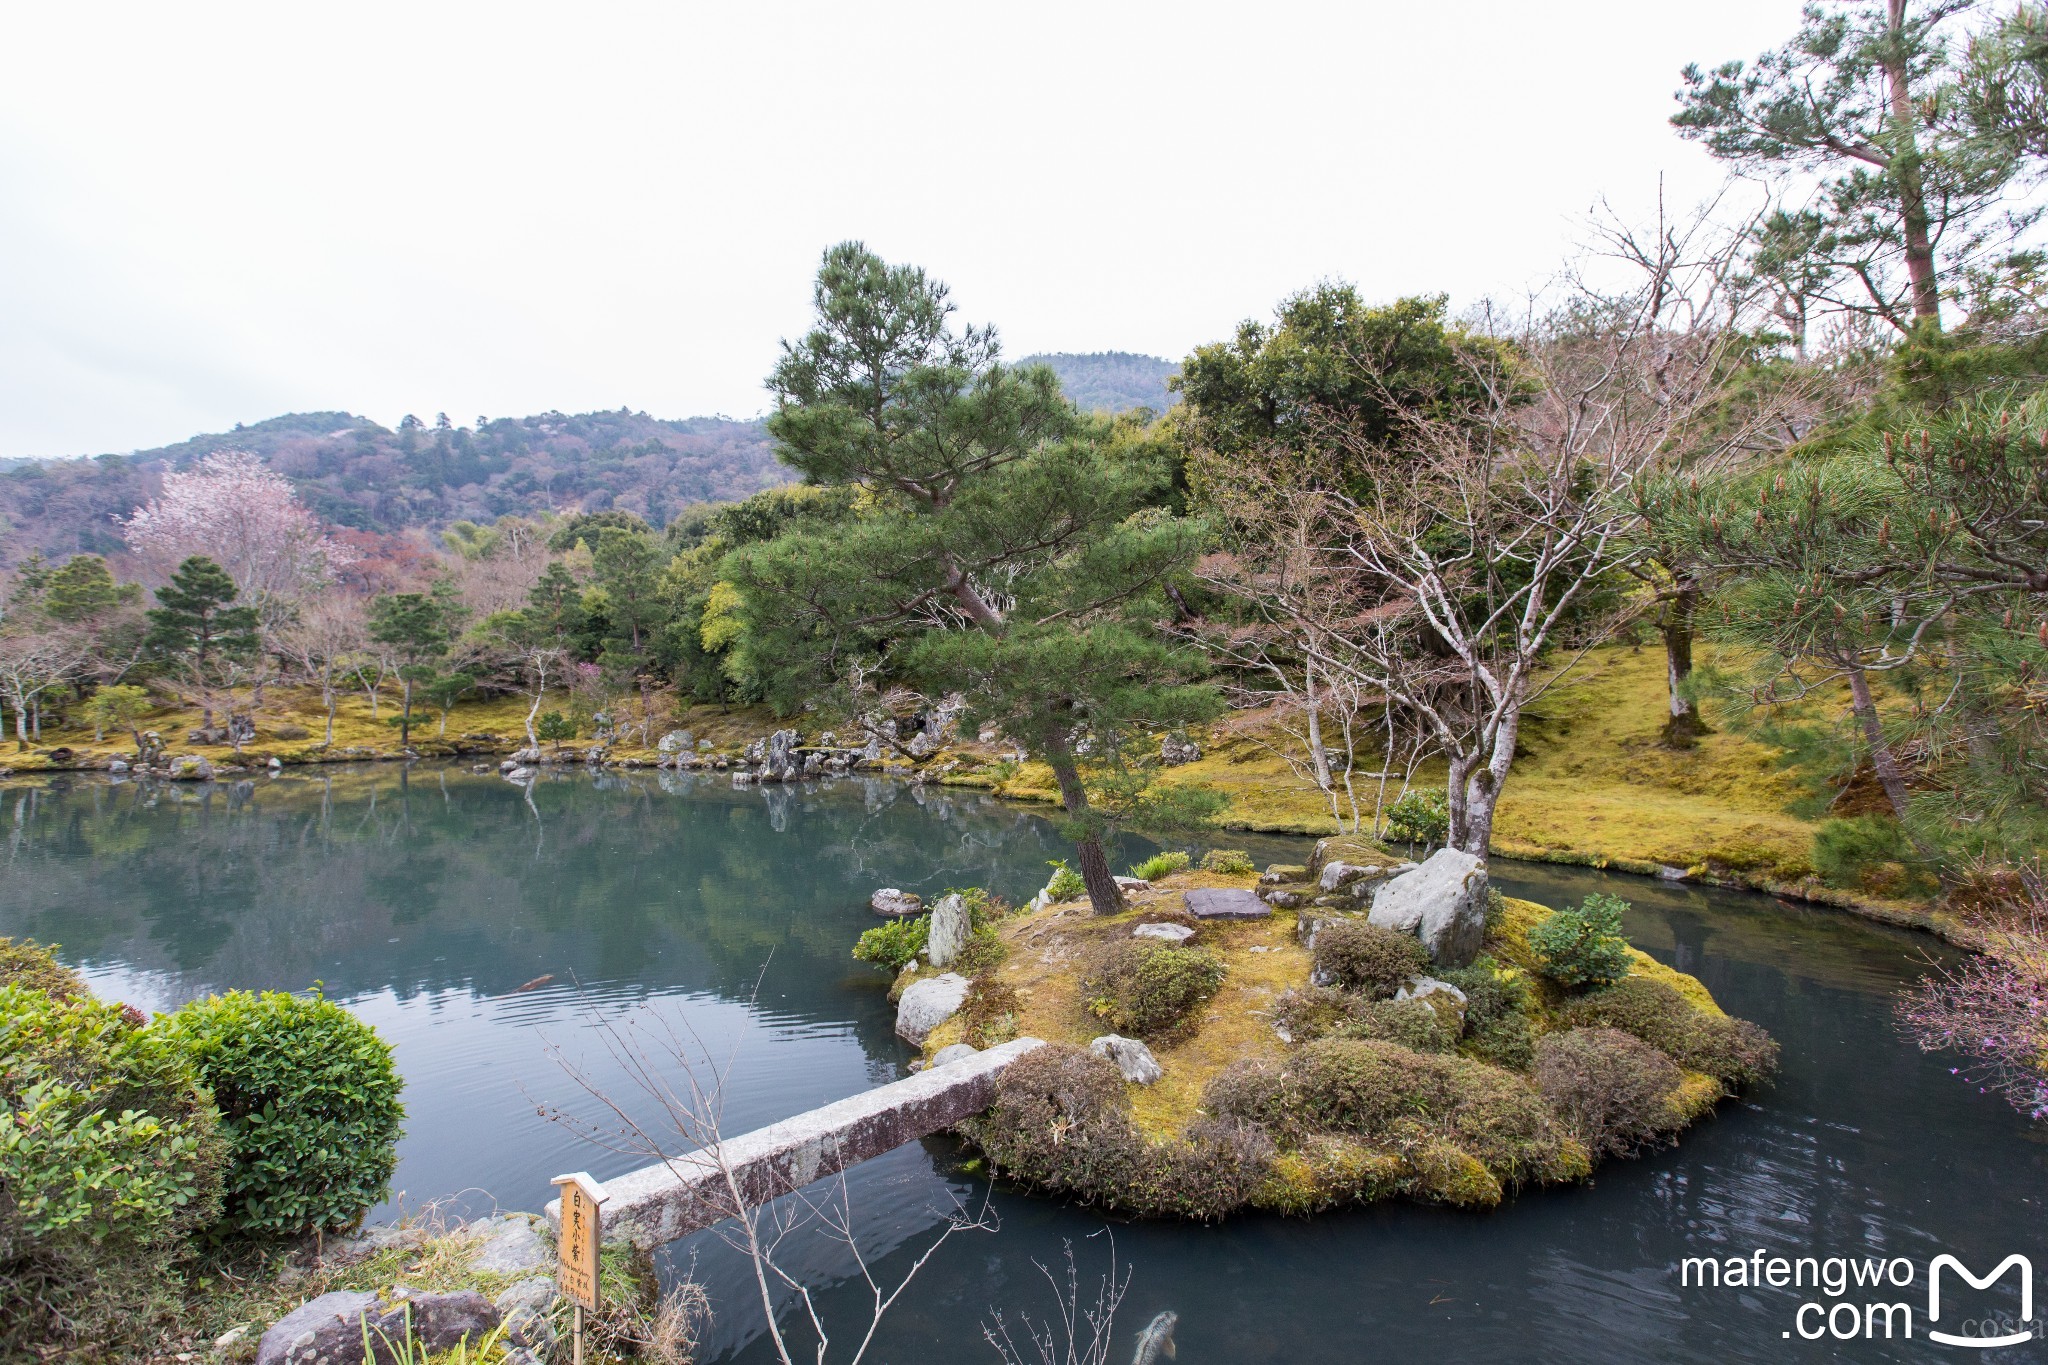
[(415, 627), (196, 618), (1004, 548), (83, 589)]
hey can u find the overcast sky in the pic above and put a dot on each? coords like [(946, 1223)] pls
[(212, 213)]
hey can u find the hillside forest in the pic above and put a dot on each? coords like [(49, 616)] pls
[(1794, 442)]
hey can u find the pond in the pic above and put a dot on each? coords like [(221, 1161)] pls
[(483, 927)]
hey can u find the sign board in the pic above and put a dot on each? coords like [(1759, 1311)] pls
[(579, 1238)]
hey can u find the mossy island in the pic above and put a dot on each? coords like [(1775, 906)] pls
[(1309, 1058)]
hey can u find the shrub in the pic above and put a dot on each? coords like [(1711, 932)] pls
[(24, 962), (109, 1158), (1311, 1012), (1365, 957), (1420, 817), (1256, 1091), (1066, 884), (1060, 1120), (1412, 1023), (985, 951), (1582, 946), (1162, 864), (309, 1104), (1497, 1027), (1216, 1167), (1145, 986), (1231, 862), (1734, 1051), (289, 731), (1612, 1090), (894, 944)]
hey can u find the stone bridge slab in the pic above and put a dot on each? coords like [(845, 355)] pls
[(657, 1204)]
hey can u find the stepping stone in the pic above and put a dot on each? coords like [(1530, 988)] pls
[(1217, 903)]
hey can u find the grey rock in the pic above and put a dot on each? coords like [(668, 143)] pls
[(1218, 903), (325, 1331), (950, 929), (1285, 900), (1175, 750), (527, 1309), (520, 775), (1127, 885), (230, 1337), (927, 1004), (191, 768), (954, 1052), (1422, 987), (1337, 874), (1442, 902), (889, 901), (1132, 1058), (1310, 923), (117, 766), (921, 744), (675, 742), (1172, 933), (1280, 874), (530, 754), (514, 1245)]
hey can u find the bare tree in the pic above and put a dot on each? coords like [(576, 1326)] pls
[(1080, 1331), (1491, 531), (684, 1087), (36, 658), (320, 640)]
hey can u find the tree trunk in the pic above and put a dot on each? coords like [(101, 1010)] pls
[(327, 700), (1683, 727), (1905, 168), (1095, 874), (1882, 760), (405, 720)]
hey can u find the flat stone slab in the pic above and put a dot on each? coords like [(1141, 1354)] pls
[(1218, 903), (655, 1205)]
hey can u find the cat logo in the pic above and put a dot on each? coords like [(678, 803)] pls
[(2026, 1268)]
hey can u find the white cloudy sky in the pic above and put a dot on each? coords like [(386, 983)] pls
[(214, 213)]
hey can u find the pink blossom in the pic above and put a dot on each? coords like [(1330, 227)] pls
[(241, 514)]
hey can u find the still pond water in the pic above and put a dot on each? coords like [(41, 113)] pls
[(426, 899)]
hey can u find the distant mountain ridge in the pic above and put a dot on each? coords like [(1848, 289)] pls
[(381, 480), (1111, 381), (366, 477)]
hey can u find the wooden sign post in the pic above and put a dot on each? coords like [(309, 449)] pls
[(581, 1236)]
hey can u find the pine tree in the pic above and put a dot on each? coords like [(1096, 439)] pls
[(195, 618), (1005, 547), (415, 627)]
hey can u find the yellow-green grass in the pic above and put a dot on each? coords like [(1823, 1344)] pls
[(361, 733)]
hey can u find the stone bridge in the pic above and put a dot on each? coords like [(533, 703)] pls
[(657, 1204)]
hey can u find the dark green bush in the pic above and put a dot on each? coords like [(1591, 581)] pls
[(1420, 817), (24, 962), (894, 944), (1259, 1092), (309, 1104), (1358, 956), (988, 1017), (1582, 946), (1142, 987), (1311, 1012), (1497, 1026), (1734, 1051), (1612, 1090), (1234, 862), (109, 1159)]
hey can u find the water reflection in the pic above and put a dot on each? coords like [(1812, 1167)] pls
[(427, 898)]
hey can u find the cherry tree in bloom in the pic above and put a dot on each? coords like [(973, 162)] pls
[(245, 517)]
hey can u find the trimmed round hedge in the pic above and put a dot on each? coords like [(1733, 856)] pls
[(1145, 987), (308, 1100)]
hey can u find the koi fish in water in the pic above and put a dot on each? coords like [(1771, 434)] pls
[(1157, 1339)]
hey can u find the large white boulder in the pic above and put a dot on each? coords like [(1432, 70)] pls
[(1442, 902), (928, 1004), (950, 929), (889, 901)]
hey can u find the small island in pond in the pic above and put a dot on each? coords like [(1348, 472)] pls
[(1355, 1029)]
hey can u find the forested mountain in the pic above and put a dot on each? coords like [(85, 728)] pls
[(1111, 381), (357, 474)]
